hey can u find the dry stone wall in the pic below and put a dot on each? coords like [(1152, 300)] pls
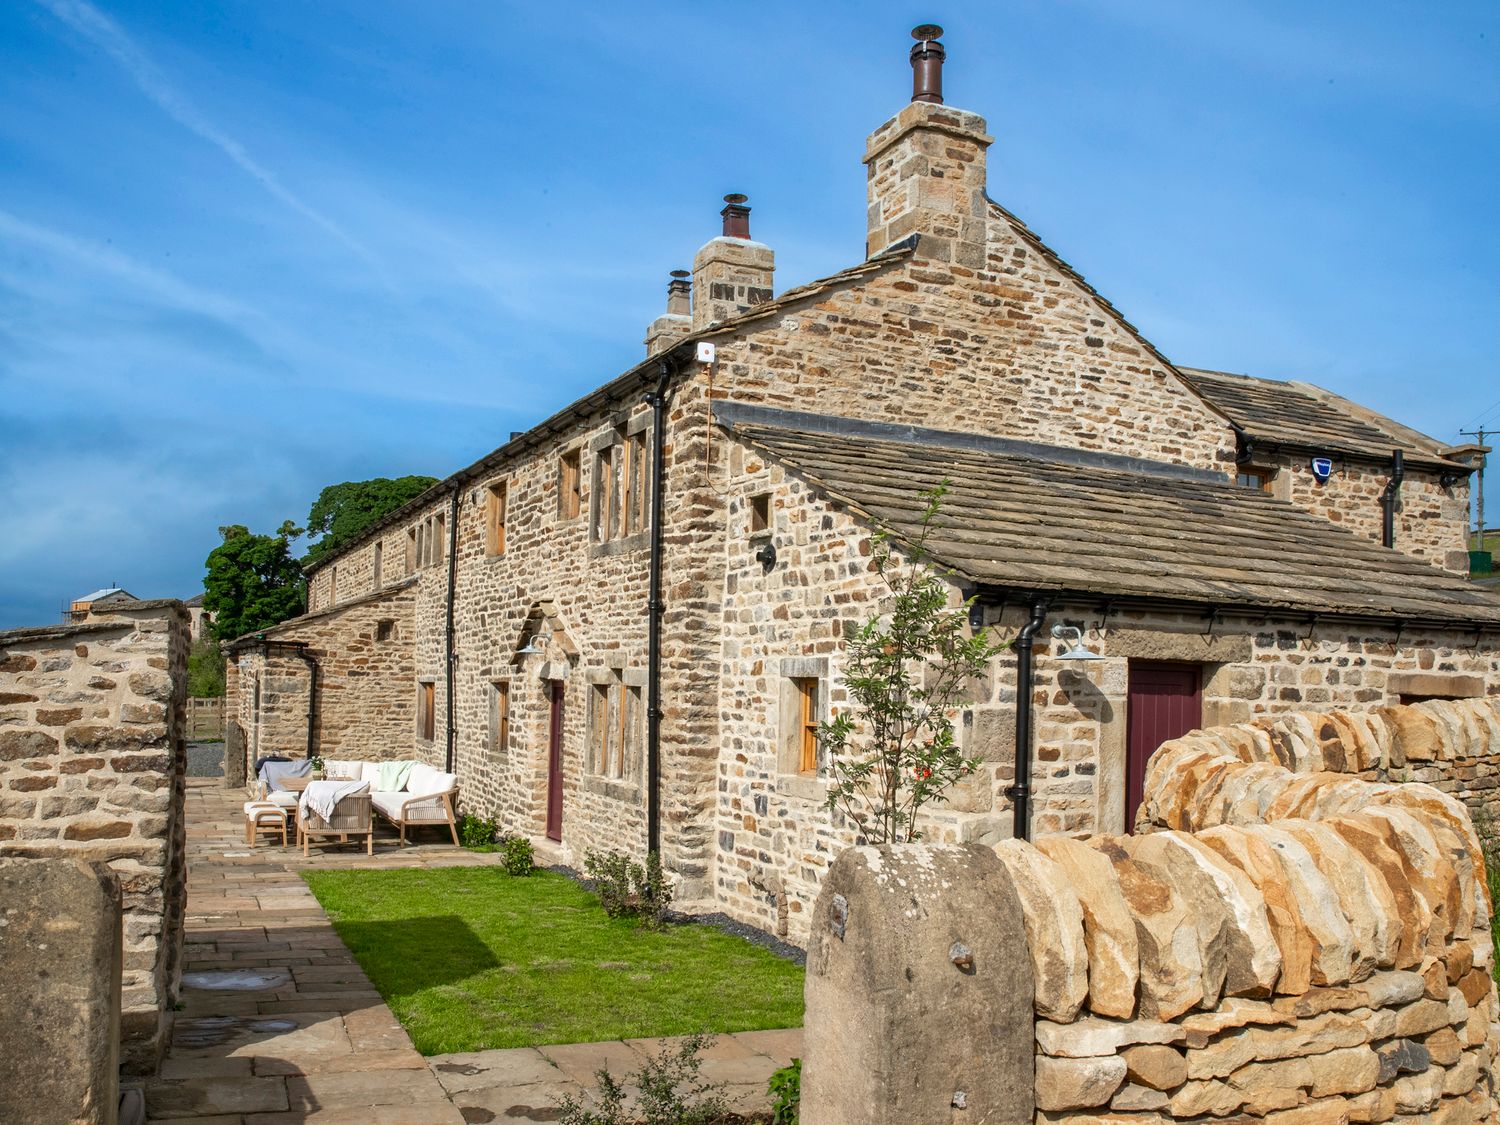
[(1290, 943), (92, 767)]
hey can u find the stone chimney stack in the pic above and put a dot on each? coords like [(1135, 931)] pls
[(677, 321), (731, 274), (926, 168)]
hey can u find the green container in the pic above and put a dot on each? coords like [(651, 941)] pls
[(1481, 563)]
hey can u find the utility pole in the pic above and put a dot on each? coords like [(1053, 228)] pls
[(1479, 436)]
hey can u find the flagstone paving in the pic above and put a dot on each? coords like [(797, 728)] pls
[(279, 1024)]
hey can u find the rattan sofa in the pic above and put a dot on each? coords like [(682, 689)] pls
[(426, 800)]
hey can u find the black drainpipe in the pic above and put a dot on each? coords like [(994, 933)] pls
[(1388, 499), (657, 399), (452, 655), (312, 697), (1020, 792)]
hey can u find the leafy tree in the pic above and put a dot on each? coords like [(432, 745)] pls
[(253, 582), (205, 670), (894, 750), (342, 511)]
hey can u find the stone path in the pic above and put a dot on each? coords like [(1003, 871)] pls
[(279, 1024)]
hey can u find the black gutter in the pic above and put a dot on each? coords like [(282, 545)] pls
[(1020, 792), (669, 365), (1389, 497), (452, 654)]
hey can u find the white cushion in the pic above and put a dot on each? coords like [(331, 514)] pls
[(258, 808), (424, 780), (388, 803), (368, 771)]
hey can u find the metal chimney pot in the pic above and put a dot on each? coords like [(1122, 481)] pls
[(927, 64), (736, 217)]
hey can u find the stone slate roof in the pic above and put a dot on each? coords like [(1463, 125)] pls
[(1030, 518), (1303, 416)]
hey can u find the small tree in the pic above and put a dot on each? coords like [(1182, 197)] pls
[(894, 750), (252, 582)]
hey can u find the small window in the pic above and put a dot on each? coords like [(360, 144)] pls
[(621, 488), (1257, 479), (375, 567), (500, 716), (333, 585), (385, 630), (495, 520), (807, 725), (569, 486), (411, 550), (635, 462), (760, 513), (439, 540), (426, 715), (599, 727)]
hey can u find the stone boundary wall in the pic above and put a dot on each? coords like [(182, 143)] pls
[(92, 767), (1280, 945)]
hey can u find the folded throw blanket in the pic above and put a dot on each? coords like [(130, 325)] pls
[(391, 776), (322, 796)]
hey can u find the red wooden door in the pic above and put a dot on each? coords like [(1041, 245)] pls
[(554, 765), (1166, 701)]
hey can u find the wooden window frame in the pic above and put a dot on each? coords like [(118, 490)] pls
[(760, 514), (1262, 474), (412, 561), (500, 716), (376, 559), (808, 689), (426, 711), (599, 728), (333, 586), (497, 499), (570, 485)]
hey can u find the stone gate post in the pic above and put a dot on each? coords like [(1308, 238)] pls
[(919, 992)]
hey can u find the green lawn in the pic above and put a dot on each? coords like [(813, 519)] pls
[(471, 958)]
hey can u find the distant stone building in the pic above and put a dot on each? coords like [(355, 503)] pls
[(618, 626), (79, 608)]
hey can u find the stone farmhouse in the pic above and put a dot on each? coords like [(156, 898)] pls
[(620, 627)]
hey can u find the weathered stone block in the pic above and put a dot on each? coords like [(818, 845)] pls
[(62, 1013), (909, 942)]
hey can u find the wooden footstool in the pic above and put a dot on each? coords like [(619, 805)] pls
[(264, 816)]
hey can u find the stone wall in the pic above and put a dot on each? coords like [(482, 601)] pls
[(1288, 944), (1431, 521), (92, 766), (366, 707)]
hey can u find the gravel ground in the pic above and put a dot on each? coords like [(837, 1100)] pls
[(205, 759)]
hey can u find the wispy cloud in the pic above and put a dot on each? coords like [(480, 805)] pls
[(109, 37)]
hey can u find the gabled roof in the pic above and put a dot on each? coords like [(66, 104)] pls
[(1032, 518), (1305, 417)]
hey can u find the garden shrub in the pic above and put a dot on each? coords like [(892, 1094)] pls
[(785, 1088), (517, 855), (671, 1093), (626, 889), (476, 832)]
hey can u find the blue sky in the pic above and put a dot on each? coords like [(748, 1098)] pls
[(251, 248)]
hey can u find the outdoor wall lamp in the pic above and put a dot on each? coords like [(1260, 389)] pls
[(766, 556), (1077, 652), (530, 648)]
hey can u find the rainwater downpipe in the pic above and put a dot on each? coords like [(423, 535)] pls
[(1020, 792), (312, 699), (451, 655), (657, 399), (1389, 497)]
